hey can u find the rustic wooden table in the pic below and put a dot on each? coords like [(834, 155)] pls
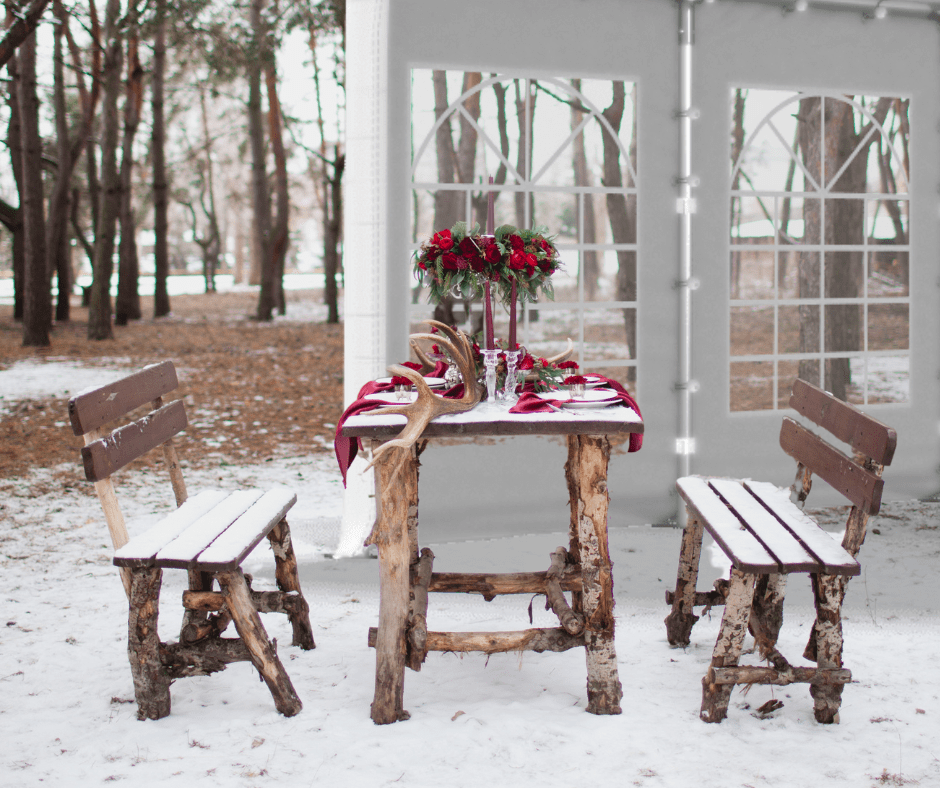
[(402, 638)]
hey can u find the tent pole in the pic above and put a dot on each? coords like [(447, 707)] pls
[(685, 208)]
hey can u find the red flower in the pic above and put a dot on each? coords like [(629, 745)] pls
[(517, 260), (530, 262), (450, 261), (527, 362), (443, 239), (572, 379), (476, 263), (467, 247), (491, 253), (401, 380), (516, 242), (568, 365)]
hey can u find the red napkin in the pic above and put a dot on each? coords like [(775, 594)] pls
[(529, 402)]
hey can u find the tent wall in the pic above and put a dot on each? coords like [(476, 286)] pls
[(736, 44), (758, 46)]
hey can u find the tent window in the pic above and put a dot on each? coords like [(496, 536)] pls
[(819, 247), (562, 153)]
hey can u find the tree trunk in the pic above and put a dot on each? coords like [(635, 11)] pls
[(261, 200), (280, 240), (127, 306), (333, 221), (161, 297), (622, 215), (590, 265), (15, 144), (57, 245), (99, 309), (844, 224), (37, 312), (19, 27)]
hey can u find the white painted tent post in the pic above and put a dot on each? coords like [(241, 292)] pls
[(366, 272)]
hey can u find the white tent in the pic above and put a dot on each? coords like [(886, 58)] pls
[(682, 64)]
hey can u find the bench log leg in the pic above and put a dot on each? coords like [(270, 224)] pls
[(586, 472), (680, 621), (285, 572), (767, 614), (263, 655), (151, 682), (396, 484), (734, 624), (829, 592)]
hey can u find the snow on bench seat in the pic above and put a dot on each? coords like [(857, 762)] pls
[(739, 544), (224, 525), (241, 537), (761, 530)]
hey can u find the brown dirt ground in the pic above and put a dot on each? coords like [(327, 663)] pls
[(252, 390)]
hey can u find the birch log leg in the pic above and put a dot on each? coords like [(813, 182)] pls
[(603, 683), (250, 630), (829, 591), (573, 477), (418, 615), (767, 612), (715, 697), (396, 485), (680, 621), (285, 573), (151, 682)]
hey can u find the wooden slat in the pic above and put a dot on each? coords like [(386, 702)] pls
[(103, 457), (745, 552), (90, 410), (834, 558), (863, 488), (141, 550), (242, 536), (181, 553), (847, 423), (778, 541)]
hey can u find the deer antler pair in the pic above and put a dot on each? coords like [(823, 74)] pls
[(428, 405)]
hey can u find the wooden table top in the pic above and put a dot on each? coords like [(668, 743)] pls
[(484, 420)]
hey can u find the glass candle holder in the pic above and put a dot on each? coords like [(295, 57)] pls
[(490, 360), (509, 395)]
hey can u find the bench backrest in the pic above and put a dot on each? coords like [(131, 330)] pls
[(873, 441), (91, 410)]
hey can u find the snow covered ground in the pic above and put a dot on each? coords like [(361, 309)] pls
[(67, 715)]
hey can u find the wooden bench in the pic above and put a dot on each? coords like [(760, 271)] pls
[(209, 535), (765, 533)]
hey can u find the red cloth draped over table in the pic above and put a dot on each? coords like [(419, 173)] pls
[(347, 448)]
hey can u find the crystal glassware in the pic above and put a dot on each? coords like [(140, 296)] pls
[(576, 390), (490, 360), (508, 394)]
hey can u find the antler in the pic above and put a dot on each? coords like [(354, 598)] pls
[(428, 405)]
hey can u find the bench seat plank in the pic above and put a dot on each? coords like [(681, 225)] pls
[(778, 541), (242, 536), (835, 559), (141, 550), (182, 552), (739, 545)]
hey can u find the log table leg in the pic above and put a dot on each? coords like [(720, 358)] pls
[(251, 631), (586, 472), (285, 573), (680, 621), (829, 592), (734, 624), (396, 485), (151, 682)]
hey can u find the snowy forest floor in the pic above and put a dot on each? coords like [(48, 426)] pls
[(67, 715)]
